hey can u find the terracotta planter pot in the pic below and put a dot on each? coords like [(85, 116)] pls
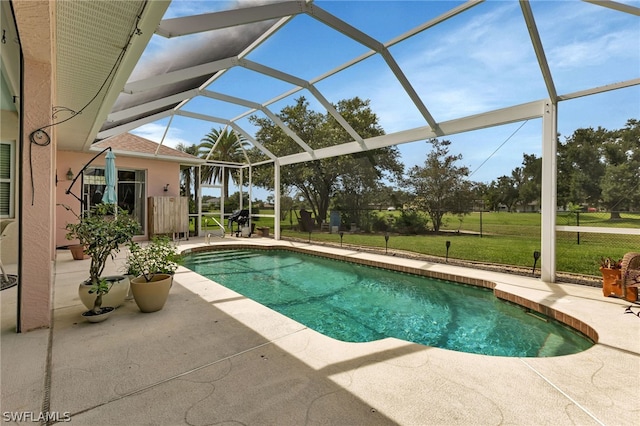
[(151, 296), (77, 251), (114, 298), (611, 282)]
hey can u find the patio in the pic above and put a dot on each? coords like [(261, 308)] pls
[(212, 356)]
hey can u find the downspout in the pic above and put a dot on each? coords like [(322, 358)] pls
[(21, 153)]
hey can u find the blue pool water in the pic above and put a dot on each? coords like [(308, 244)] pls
[(356, 303)]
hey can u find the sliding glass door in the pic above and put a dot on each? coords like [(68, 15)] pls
[(130, 189)]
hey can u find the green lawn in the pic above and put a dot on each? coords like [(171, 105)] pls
[(507, 238)]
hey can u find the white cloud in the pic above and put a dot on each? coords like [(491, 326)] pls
[(478, 61), (594, 51), (473, 65), (155, 131)]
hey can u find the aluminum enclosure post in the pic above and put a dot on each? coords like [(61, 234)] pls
[(276, 193), (549, 194)]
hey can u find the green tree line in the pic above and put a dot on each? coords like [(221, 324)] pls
[(596, 168)]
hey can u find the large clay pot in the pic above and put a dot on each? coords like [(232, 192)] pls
[(611, 282), (77, 251), (114, 298), (151, 296)]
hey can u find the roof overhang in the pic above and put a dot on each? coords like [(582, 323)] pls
[(170, 158), (99, 44)]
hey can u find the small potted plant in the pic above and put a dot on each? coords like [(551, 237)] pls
[(77, 251), (99, 313), (611, 271), (153, 265), (102, 231)]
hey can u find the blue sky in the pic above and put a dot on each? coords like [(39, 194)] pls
[(478, 61)]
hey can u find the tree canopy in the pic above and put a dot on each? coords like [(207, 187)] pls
[(229, 148), (440, 186), (187, 174), (319, 181), (596, 168), (601, 167)]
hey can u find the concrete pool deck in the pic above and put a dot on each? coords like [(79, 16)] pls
[(212, 356)]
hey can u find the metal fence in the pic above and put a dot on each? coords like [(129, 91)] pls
[(582, 239)]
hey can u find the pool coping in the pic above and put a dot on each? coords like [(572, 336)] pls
[(535, 306)]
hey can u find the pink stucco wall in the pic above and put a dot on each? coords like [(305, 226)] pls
[(158, 174), (36, 27), (41, 220)]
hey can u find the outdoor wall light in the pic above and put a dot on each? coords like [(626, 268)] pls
[(70, 174), (166, 188)]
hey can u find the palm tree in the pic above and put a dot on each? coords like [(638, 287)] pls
[(229, 149), (187, 174)]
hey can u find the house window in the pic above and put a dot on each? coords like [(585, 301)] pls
[(7, 183), (130, 189)]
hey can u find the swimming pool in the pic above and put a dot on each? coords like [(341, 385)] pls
[(358, 303)]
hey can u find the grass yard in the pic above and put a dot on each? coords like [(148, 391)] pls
[(507, 238)]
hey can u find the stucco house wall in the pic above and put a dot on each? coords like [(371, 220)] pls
[(158, 174)]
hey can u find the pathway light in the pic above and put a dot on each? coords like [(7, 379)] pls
[(536, 256)]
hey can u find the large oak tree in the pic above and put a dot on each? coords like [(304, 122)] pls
[(318, 181)]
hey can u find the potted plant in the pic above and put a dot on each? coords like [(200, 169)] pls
[(153, 265), (611, 271), (77, 251), (102, 233), (99, 313)]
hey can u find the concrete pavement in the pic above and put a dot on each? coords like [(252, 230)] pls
[(212, 356)]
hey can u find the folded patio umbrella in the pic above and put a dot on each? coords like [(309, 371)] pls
[(110, 196)]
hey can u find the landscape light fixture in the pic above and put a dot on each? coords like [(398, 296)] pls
[(536, 256), (447, 244), (341, 235), (386, 243)]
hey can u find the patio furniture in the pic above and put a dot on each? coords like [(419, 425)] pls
[(630, 276), (305, 221)]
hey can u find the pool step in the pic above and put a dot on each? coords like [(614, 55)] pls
[(222, 256), (551, 345)]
